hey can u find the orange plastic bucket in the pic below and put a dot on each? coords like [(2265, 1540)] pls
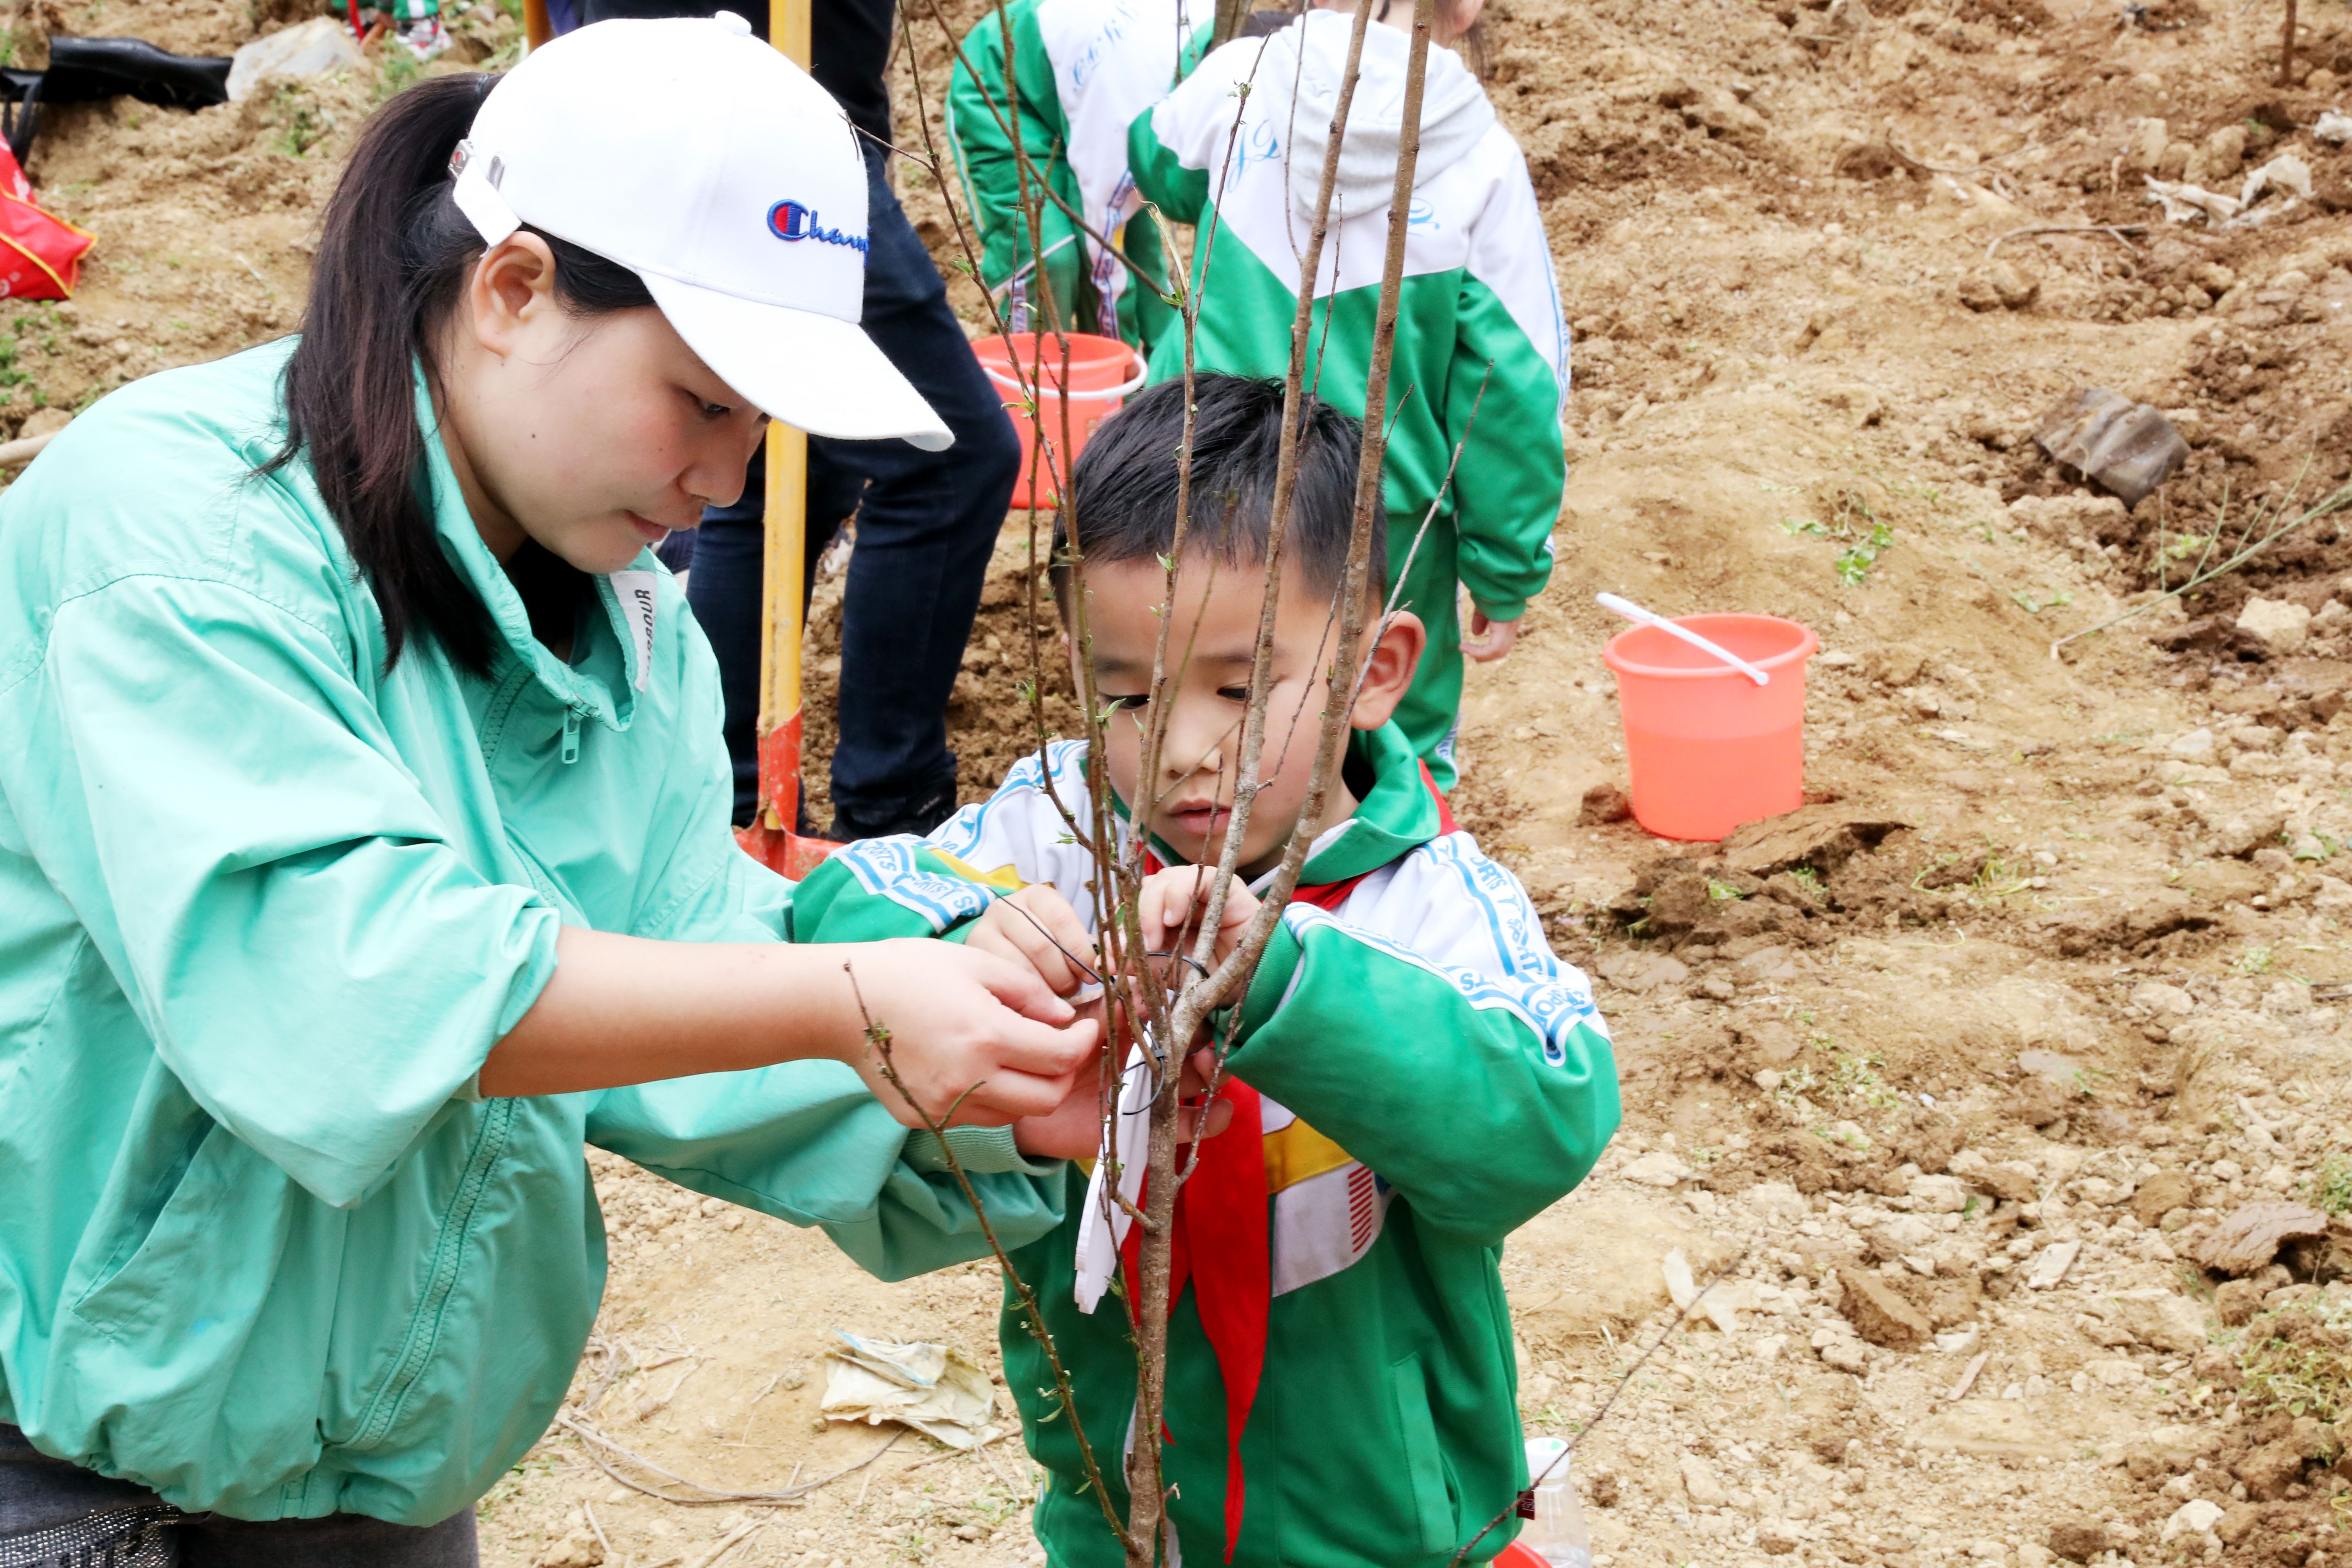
[(1102, 373), (1709, 748)]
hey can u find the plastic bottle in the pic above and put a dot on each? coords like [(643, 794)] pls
[(1557, 1533)]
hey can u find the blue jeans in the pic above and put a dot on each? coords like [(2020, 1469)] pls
[(926, 523), (54, 1514)]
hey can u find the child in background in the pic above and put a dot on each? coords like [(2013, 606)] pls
[(1478, 290), (1415, 1074), (415, 22), (1082, 70)]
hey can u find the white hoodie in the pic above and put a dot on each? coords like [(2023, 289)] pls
[(1299, 75)]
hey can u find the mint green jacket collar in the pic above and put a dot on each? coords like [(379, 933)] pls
[(609, 666)]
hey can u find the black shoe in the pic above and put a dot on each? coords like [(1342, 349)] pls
[(918, 817)]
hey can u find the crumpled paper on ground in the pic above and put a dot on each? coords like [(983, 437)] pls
[(1723, 1304), (2286, 175), (935, 1390)]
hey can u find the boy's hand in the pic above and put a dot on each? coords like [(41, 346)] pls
[(1173, 902), (1025, 927), (1489, 639), (1073, 1130)]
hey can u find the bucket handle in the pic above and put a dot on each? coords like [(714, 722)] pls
[(1094, 394)]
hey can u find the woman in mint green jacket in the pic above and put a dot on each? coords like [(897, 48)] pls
[(363, 832)]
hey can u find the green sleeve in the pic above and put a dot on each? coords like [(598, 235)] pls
[(806, 1142), (885, 888), (1506, 487), (1180, 193), (293, 922), (1433, 1078), (980, 132)]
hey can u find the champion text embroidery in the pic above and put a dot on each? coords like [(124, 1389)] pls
[(792, 220)]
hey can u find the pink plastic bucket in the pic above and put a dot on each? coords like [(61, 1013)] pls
[(1709, 748), (1102, 373)]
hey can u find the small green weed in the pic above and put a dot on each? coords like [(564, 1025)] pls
[(1854, 1078), (398, 73), (1852, 522), (2255, 959), (1999, 879), (1846, 1133), (301, 125), (1853, 563), (2331, 1186), (2298, 1362), (1722, 893)]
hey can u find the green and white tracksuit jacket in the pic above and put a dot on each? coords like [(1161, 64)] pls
[(1430, 1077), (1082, 71), (1478, 290)]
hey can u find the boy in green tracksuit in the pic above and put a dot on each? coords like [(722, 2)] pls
[(1082, 70), (1478, 293), (1415, 1074)]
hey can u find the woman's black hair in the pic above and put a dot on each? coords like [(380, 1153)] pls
[(391, 262)]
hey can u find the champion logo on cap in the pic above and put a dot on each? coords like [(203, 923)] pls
[(794, 221)]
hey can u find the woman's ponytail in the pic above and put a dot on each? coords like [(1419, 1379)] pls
[(391, 260)]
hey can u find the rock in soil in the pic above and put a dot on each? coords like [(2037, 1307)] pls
[(2281, 625), (1699, 1483), (2236, 1301), (1880, 1316), (2252, 1236), (1604, 804), (2160, 1195), (2079, 1541), (2270, 1469)]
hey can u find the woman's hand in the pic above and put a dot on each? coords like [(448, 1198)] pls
[(965, 1025), (623, 1010), (1037, 927)]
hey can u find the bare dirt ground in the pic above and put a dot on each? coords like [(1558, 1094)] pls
[(1966, 1070)]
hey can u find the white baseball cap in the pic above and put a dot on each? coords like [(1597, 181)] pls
[(711, 167)]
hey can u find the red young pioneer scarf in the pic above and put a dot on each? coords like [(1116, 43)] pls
[(1224, 1243)]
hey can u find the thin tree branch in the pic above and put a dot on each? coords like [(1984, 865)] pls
[(1586, 1430), (878, 1037), (2334, 503)]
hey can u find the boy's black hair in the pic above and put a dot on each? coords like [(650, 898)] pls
[(1123, 487)]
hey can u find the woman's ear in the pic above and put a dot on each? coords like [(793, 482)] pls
[(1389, 666), (512, 289)]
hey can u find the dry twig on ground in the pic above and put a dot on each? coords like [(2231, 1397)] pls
[(1584, 1431), (602, 1451)]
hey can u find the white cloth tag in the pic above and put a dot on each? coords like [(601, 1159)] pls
[(637, 591), (1102, 1224)]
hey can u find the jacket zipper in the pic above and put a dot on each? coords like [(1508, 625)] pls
[(571, 735), (425, 1329)]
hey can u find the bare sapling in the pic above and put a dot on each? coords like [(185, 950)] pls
[(1157, 1005)]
